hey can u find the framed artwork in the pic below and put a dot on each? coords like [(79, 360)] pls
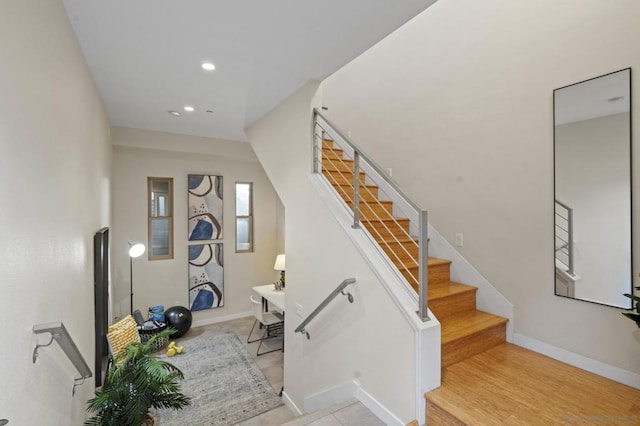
[(206, 277), (205, 207)]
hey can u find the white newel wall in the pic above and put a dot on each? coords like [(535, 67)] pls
[(165, 282), (367, 342), (55, 171), (458, 102)]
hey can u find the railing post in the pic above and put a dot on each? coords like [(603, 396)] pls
[(314, 142), (570, 243), (423, 277), (356, 190)]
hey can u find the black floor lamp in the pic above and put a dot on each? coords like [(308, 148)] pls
[(135, 250)]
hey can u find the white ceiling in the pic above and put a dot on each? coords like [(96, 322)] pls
[(145, 55), (598, 97)]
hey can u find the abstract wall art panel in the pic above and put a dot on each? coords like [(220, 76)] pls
[(205, 207), (206, 277)]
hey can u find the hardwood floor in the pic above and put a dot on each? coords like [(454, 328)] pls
[(510, 385)]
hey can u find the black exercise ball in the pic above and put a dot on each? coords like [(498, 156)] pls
[(179, 318)]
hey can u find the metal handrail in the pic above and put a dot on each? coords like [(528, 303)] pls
[(568, 247), (60, 334), (325, 302), (364, 157), (419, 215)]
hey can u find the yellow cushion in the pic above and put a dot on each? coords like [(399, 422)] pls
[(122, 334)]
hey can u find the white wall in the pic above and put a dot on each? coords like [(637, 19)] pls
[(54, 181), (592, 177), (368, 341), (459, 103), (165, 282)]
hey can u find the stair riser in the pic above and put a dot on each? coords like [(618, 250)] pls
[(387, 230), (328, 144), (406, 252), (438, 274), (439, 416), (337, 165), (333, 154), (372, 210), (341, 178), (454, 304), (469, 346), (365, 195)]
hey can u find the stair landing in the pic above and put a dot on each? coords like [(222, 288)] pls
[(510, 385)]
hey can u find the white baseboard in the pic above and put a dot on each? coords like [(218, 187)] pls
[(600, 368), (289, 403), (214, 320), (378, 409), (330, 397), (348, 391)]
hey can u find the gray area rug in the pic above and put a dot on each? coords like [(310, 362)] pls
[(223, 381)]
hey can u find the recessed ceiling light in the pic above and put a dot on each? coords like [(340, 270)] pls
[(189, 108), (174, 113), (208, 66)]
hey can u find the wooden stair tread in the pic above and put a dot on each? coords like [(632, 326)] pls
[(387, 219), (467, 323), (511, 385), (448, 289), (431, 262), (434, 261), (401, 239)]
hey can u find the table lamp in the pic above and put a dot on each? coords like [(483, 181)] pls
[(279, 266)]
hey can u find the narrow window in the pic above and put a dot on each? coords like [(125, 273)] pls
[(244, 217), (160, 196)]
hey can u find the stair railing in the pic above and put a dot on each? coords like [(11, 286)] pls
[(564, 245), (59, 333), (338, 290), (346, 176)]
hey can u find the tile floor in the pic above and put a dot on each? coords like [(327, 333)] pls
[(351, 413)]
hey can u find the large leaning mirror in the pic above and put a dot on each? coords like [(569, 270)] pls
[(592, 166)]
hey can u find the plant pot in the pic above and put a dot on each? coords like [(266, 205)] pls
[(150, 421)]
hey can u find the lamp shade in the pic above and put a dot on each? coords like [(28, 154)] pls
[(136, 249), (279, 265)]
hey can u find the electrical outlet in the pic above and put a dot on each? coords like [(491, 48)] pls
[(459, 240), (298, 309), (390, 171), (348, 133)]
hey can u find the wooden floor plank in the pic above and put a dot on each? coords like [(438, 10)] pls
[(509, 385)]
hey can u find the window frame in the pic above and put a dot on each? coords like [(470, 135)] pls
[(250, 216), (151, 218)]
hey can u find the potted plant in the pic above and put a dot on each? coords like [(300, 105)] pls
[(634, 316), (136, 382)]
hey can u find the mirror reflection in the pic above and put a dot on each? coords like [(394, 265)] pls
[(592, 165)]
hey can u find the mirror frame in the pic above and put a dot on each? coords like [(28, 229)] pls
[(631, 188)]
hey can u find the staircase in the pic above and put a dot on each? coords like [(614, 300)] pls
[(485, 381), (465, 330)]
